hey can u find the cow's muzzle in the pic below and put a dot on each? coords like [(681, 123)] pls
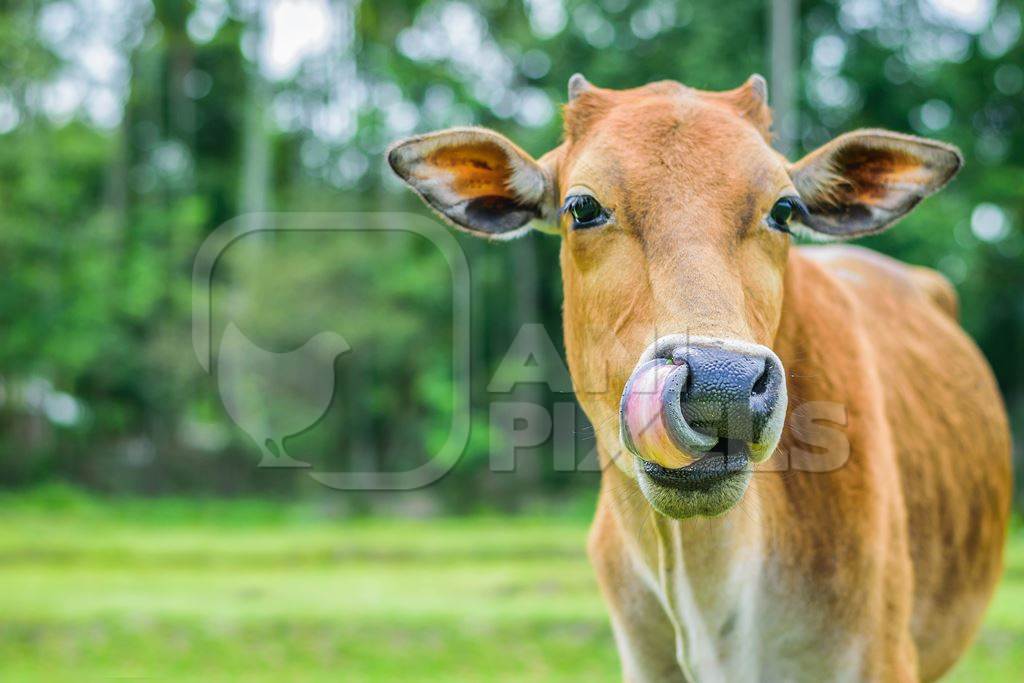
[(691, 398)]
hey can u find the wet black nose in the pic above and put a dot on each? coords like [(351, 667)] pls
[(728, 394)]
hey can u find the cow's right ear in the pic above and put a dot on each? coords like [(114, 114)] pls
[(476, 179)]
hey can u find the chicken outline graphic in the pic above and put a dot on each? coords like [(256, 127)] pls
[(274, 395)]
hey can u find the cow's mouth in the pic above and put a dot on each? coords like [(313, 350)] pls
[(696, 413), (726, 459), (707, 487)]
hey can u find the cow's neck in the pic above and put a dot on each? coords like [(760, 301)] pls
[(706, 572), (709, 572)]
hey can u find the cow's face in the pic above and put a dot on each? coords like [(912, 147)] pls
[(675, 215)]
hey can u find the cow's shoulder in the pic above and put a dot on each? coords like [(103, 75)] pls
[(871, 275)]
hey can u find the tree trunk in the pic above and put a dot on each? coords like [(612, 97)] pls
[(783, 40)]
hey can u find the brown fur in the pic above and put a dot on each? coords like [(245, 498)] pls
[(873, 566)]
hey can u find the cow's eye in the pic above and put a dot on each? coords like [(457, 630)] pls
[(586, 211), (782, 213)]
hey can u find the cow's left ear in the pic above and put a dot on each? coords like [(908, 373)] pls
[(863, 182), (476, 179)]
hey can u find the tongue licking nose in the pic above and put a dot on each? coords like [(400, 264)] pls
[(651, 417), (699, 398)]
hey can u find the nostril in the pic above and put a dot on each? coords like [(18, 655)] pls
[(761, 384), (681, 356)]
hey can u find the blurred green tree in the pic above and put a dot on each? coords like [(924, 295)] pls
[(128, 136)]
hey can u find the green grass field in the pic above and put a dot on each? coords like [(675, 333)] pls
[(184, 591)]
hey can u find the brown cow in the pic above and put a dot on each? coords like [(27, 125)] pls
[(813, 473)]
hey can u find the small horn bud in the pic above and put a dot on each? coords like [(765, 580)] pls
[(759, 86), (577, 86), (750, 101)]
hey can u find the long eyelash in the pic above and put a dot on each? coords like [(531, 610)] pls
[(801, 208), (569, 202)]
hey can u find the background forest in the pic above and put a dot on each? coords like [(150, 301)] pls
[(156, 376), (129, 131)]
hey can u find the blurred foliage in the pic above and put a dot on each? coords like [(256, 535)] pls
[(129, 133)]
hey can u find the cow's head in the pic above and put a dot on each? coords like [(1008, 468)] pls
[(674, 213)]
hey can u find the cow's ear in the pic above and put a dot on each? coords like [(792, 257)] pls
[(863, 182), (476, 179)]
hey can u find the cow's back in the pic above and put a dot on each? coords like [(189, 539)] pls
[(950, 433)]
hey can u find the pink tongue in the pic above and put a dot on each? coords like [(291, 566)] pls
[(642, 411)]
